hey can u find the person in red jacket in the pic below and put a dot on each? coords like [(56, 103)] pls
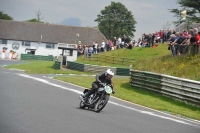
[(161, 36), (198, 39)]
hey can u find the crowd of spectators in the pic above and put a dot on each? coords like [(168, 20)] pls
[(178, 42), (116, 43)]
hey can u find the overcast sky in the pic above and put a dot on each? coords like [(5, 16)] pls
[(150, 15)]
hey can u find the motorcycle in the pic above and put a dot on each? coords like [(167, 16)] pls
[(98, 100)]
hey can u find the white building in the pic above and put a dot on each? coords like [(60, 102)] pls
[(43, 39)]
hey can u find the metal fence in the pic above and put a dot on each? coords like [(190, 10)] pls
[(96, 68), (110, 59), (178, 88), (193, 49)]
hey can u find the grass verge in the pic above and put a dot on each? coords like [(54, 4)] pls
[(157, 60), (142, 97), (42, 67)]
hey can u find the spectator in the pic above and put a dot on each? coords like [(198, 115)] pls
[(86, 51), (174, 31), (110, 43), (192, 38), (102, 46), (107, 46), (161, 36), (165, 35), (195, 31), (119, 42), (174, 43), (168, 34), (130, 45), (144, 44), (171, 46), (149, 40), (143, 37), (153, 38), (180, 43), (90, 51), (95, 48), (139, 43), (115, 43), (126, 40), (79, 50), (198, 42), (123, 42), (186, 44)]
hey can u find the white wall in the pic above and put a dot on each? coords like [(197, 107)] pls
[(72, 58), (40, 50)]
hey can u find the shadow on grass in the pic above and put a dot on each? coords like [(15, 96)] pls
[(159, 96)]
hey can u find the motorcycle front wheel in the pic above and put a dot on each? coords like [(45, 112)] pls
[(101, 103), (82, 105)]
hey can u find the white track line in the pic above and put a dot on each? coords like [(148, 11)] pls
[(120, 105)]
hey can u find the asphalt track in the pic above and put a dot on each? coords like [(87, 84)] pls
[(38, 104)]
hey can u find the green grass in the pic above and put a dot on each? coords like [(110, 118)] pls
[(42, 67), (141, 96), (157, 60), (137, 53)]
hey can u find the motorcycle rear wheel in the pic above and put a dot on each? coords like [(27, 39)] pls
[(99, 106)]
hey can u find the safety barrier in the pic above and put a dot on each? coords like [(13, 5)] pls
[(193, 49), (178, 88), (36, 57), (57, 65), (96, 68), (75, 66), (123, 71)]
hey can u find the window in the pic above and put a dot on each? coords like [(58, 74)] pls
[(24, 43), (69, 52), (3, 41), (50, 46)]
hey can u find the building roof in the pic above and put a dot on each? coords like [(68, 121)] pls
[(51, 33), (183, 26)]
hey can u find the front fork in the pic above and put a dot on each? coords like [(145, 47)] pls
[(102, 96)]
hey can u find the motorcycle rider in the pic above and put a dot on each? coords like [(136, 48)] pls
[(101, 79)]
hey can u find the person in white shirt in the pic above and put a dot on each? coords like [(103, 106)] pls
[(102, 46), (119, 41)]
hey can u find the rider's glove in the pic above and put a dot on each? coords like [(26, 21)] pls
[(113, 92), (103, 84)]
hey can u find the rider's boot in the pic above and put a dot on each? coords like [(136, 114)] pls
[(87, 95)]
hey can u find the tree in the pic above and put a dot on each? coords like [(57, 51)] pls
[(32, 20), (5, 16), (115, 20), (38, 14), (192, 7)]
